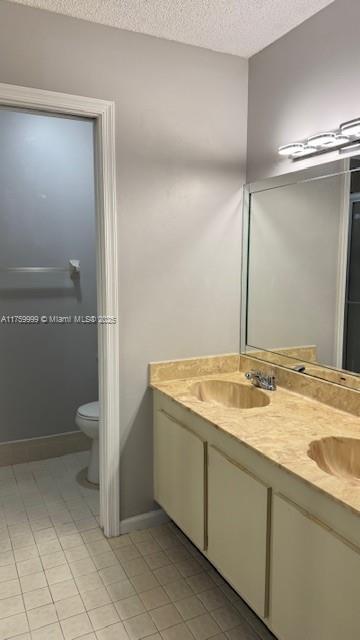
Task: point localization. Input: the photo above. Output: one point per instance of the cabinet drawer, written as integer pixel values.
(238, 528)
(179, 475)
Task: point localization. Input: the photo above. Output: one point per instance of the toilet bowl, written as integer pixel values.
(87, 419)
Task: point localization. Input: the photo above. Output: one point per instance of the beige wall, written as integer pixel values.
(181, 142)
(303, 83)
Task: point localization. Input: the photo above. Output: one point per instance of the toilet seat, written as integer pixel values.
(89, 411)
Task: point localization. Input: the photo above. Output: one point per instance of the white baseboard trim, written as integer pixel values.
(143, 521)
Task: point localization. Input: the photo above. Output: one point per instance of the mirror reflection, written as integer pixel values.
(303, 273)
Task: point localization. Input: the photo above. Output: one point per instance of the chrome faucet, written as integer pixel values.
(260, 379)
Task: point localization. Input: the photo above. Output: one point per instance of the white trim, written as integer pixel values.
(342, 271)
(143, 521)
(107, 276)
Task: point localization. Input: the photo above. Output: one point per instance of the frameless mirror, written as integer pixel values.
(302, 264)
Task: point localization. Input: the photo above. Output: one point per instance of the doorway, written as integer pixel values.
(101, 114)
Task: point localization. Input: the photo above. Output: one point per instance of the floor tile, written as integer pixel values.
(156, 561)
(179, 632)
(11, 606)
(226, 617)
(13, 626)
(213, 598)
(88, 583)
(27, 553)
(165, 616)
(95, 598)
(129, 552)
(200, 582)
(72, 540)
(37, 598)
(76, 626)
(135, 567)
(58, 574)
(245, 632)
(29, 566)
(97, 547)
(203, 627)
(33, 581)
(129, 607)
(62, 590)
(8, 572)
(10, 588)
(154, 598)
(42, 616)
(178, 589)
(51, 632)
(190, 607)
(53, 559)
(6, 557)
(188, 567)
(113, 632)
(139, 626)
(112, 574)
(144, 582)
(103, 616)
(120, 590)
(120, 541)
(45, 548)
(77, 553)
(69, 607)
(148, 547)
(104, 560)
(82, 567)
(167, 574)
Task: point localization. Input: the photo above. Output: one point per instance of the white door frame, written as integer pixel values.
(107, 276)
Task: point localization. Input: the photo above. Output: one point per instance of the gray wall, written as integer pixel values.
(304, 83)
(47, 215)
(181, 144)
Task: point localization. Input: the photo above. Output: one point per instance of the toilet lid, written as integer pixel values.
(89, 410)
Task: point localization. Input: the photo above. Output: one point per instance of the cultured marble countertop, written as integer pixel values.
(280, 431)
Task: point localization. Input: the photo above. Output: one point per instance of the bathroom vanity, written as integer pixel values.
(234, 467)
(266, 483)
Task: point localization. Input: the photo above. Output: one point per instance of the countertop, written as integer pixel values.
(281, 431)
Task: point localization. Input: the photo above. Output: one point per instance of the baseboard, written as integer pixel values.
(143, 521)
(54, 446)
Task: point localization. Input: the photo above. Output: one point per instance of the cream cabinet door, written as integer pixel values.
(238, 522)
(315, 579)
(179, 475)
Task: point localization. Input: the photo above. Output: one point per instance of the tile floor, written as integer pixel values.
(61, 579)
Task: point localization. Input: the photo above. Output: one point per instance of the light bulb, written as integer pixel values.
(290, 149)
(351, 128)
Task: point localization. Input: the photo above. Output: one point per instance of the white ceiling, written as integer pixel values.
(240, 27)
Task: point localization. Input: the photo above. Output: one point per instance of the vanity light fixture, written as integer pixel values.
(343, 137)
(305, 151)
(291, 149)
(322, 139)
(351, 128)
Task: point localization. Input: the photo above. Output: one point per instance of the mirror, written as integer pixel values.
(302, 272)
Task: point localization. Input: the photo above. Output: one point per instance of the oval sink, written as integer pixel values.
(337, 456)
(229, 394)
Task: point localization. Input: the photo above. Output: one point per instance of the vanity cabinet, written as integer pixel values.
(315, 578)
(179, 475)
(238, 527)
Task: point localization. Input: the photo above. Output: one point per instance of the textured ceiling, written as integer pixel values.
(240, 27)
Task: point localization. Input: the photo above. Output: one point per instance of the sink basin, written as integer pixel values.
(337, 456)
(229, 394)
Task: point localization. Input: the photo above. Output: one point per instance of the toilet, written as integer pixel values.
(87, 419)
